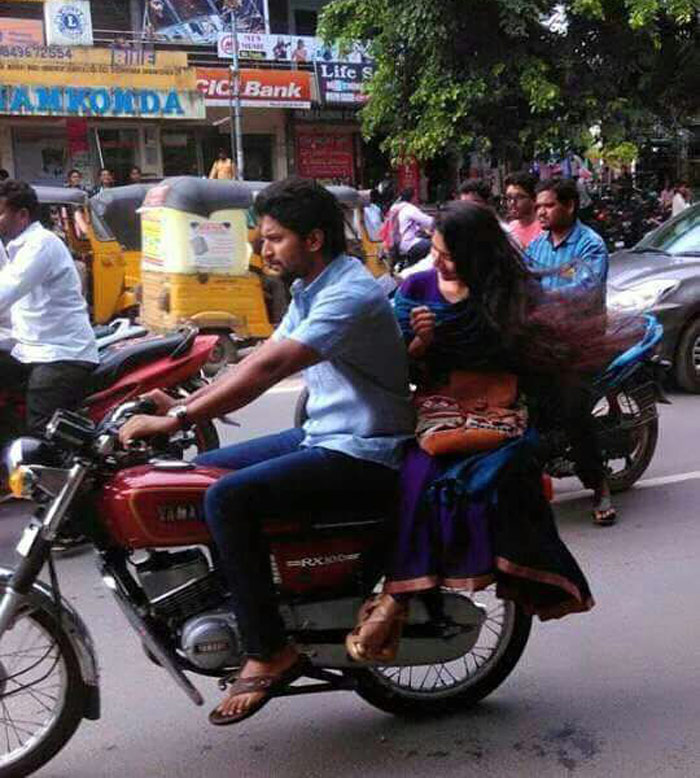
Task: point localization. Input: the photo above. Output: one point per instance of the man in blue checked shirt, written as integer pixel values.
(575, 262)
(576, 251)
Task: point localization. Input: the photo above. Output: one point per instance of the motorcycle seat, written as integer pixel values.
(120, 358)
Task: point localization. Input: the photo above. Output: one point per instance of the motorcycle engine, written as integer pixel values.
(184, 593)
(211, 641)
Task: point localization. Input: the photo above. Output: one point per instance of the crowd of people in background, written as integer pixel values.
(105, 179)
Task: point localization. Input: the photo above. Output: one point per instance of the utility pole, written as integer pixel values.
(235, 91)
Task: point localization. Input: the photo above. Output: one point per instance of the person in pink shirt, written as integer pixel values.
(524, 225)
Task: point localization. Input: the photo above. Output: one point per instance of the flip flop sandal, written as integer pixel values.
(604, 517)
(270, 684)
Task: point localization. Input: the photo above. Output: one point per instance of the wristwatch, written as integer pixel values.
(179, 412)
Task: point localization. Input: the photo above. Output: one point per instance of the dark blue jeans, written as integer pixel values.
(275, 477)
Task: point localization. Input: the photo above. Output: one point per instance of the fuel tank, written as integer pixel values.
(160, 504)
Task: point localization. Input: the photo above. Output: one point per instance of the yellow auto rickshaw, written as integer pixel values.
(195, 262)
(103, 234)
(116, 247)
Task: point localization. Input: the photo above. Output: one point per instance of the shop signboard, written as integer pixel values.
(89, 67)
(297, 49)
(325, 155)
(258, 88)
(199, 22)
(68, 23)
(31, 100)
(21, 32)
(343, 83)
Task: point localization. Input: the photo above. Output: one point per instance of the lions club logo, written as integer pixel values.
(70, 21)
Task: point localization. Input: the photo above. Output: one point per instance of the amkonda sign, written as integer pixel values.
(24, 100)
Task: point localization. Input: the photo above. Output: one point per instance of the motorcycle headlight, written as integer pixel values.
(640, 297)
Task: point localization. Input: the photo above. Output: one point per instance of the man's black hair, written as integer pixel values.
(19, 195)
(105, 170)
(135, 167)
(302, 206)
(4, 175)
(73, 170)
(478, 187)
(526, 181)
(564, 188)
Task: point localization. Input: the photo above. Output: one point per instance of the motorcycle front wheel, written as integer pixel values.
(42, 694)
(428, 690)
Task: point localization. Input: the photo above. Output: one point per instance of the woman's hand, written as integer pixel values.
(423, 324)
(146, 427)
(163, 402)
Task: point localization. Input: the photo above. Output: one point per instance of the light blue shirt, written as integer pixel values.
(359, 400)
(581, 257)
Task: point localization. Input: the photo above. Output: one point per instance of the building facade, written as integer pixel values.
(155, 90)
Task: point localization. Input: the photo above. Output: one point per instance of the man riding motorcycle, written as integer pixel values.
(55, 349)
(341, 331)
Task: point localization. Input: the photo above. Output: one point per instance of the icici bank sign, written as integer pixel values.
(259, 88)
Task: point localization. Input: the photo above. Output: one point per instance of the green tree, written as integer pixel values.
(517, 77)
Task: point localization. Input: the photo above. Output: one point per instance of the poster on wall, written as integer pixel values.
(68, 23)
(326, 156)
(22, 32)
(298, 49)
(201, 21)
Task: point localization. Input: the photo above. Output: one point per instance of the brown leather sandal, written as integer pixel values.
(271, 685)
(380, 617)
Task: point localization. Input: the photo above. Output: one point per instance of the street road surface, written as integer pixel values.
(615, 692)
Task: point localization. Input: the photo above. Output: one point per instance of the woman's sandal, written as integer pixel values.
(381, 616)
(604, 517)
(271, 685)
(604, 514)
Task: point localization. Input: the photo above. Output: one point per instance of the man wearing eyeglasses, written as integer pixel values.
(524, 225)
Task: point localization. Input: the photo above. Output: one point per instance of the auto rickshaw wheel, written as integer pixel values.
(224, 353)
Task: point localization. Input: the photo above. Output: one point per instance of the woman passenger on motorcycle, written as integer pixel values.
(468, 520)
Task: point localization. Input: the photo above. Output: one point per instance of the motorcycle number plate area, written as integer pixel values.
(29, 536)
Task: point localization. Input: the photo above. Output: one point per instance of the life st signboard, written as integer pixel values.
(343, 83)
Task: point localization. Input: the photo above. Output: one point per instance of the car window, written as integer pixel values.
(680, 235)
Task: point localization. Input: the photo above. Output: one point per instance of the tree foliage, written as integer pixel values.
(518, 77)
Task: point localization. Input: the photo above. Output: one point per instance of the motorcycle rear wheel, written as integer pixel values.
(42, 693)
(429, 690)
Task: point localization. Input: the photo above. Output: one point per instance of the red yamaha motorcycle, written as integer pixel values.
(128, 369)
(142, 510)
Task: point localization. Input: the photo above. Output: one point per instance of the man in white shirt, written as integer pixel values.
(412, 227)
(681, 199)
(55, 349)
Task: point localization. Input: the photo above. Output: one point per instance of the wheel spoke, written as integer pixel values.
(33, 686)
(448, 678)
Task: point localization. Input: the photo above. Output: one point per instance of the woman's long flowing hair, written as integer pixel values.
(542, 332)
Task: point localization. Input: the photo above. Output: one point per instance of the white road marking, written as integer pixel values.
(646, 483)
